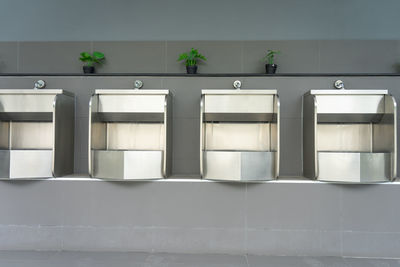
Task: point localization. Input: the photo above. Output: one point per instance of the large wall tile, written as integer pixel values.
(186, 141)
(357, 56)
(372, 245)
(27, 237)
(199, 240)
(293, 243)
(132, 57)
(38, 203)
(297, 206)
(8, 57)
(294, 57)
(51, 57)
(291, 163)
(116, 238)
(375, 213)
(199, 204)
(127, 204)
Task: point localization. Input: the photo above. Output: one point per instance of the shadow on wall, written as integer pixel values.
(397, 67)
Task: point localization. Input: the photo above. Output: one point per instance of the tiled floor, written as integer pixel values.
(117, 259)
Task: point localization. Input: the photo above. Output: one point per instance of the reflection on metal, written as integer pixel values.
(130, 134)
(36, 133)
(349, 135)
(239, 135)
(339, 84)
(237, 84)
(39, 84)
(138, 84)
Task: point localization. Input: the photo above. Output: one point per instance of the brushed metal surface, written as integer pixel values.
(35, 92)
(239, 92)
(258, 166)
(348, 92)
(39, 128)
(239, 165)
(239, 103)
(131, 103)
(131, 92)
(5, 163)
(351, 104)
(344, 137)
(23, 103)
(108, 164)
(239, 117)
(222, 165)
(350, 137)
(31, 164)
(63, 135)
(237, 136)
(127, 165)
(354, 167)
(125, 127)
(31, 135)
(310, 137)
(4, 135)
(135, 136)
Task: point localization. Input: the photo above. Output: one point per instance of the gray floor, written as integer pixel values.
(116, 259)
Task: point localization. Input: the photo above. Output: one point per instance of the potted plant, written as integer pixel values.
(90, 60)
(271, 67)
(191, 59)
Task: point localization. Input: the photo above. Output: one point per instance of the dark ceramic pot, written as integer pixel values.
(88, 69)
(270, 68)
(191, 69)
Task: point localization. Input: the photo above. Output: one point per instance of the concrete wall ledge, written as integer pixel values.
(196, 179)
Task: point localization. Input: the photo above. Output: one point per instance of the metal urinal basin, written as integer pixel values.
(36, 133)
(349, 136)
(239, 135)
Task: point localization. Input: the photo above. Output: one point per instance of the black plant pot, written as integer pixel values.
(88, 69)
(191, 69)
(270, 68)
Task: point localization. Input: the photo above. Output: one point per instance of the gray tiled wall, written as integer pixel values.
(276, 218)
(298, 56)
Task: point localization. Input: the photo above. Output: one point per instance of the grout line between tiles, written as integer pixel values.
(245, 220)
(18, 54)
(247, 260)
(341, 220)
(165, 56)
(319, 55)
(242, 56)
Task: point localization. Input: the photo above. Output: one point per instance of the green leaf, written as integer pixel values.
(191, 57)
(98, 55)
(183, 56)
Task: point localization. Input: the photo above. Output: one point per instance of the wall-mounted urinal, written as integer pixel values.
(130, 134)
(349, 135)
(36, 133)
(239, 135)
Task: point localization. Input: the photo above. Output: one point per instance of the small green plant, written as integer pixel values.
(192, 57)
(270, 56)
(90, 59)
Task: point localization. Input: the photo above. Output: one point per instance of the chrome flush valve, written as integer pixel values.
(138, 84)
(339, 84)
(39, 84)
(237, 84)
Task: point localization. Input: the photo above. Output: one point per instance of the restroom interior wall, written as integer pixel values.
(144, 20)
(240, 56)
